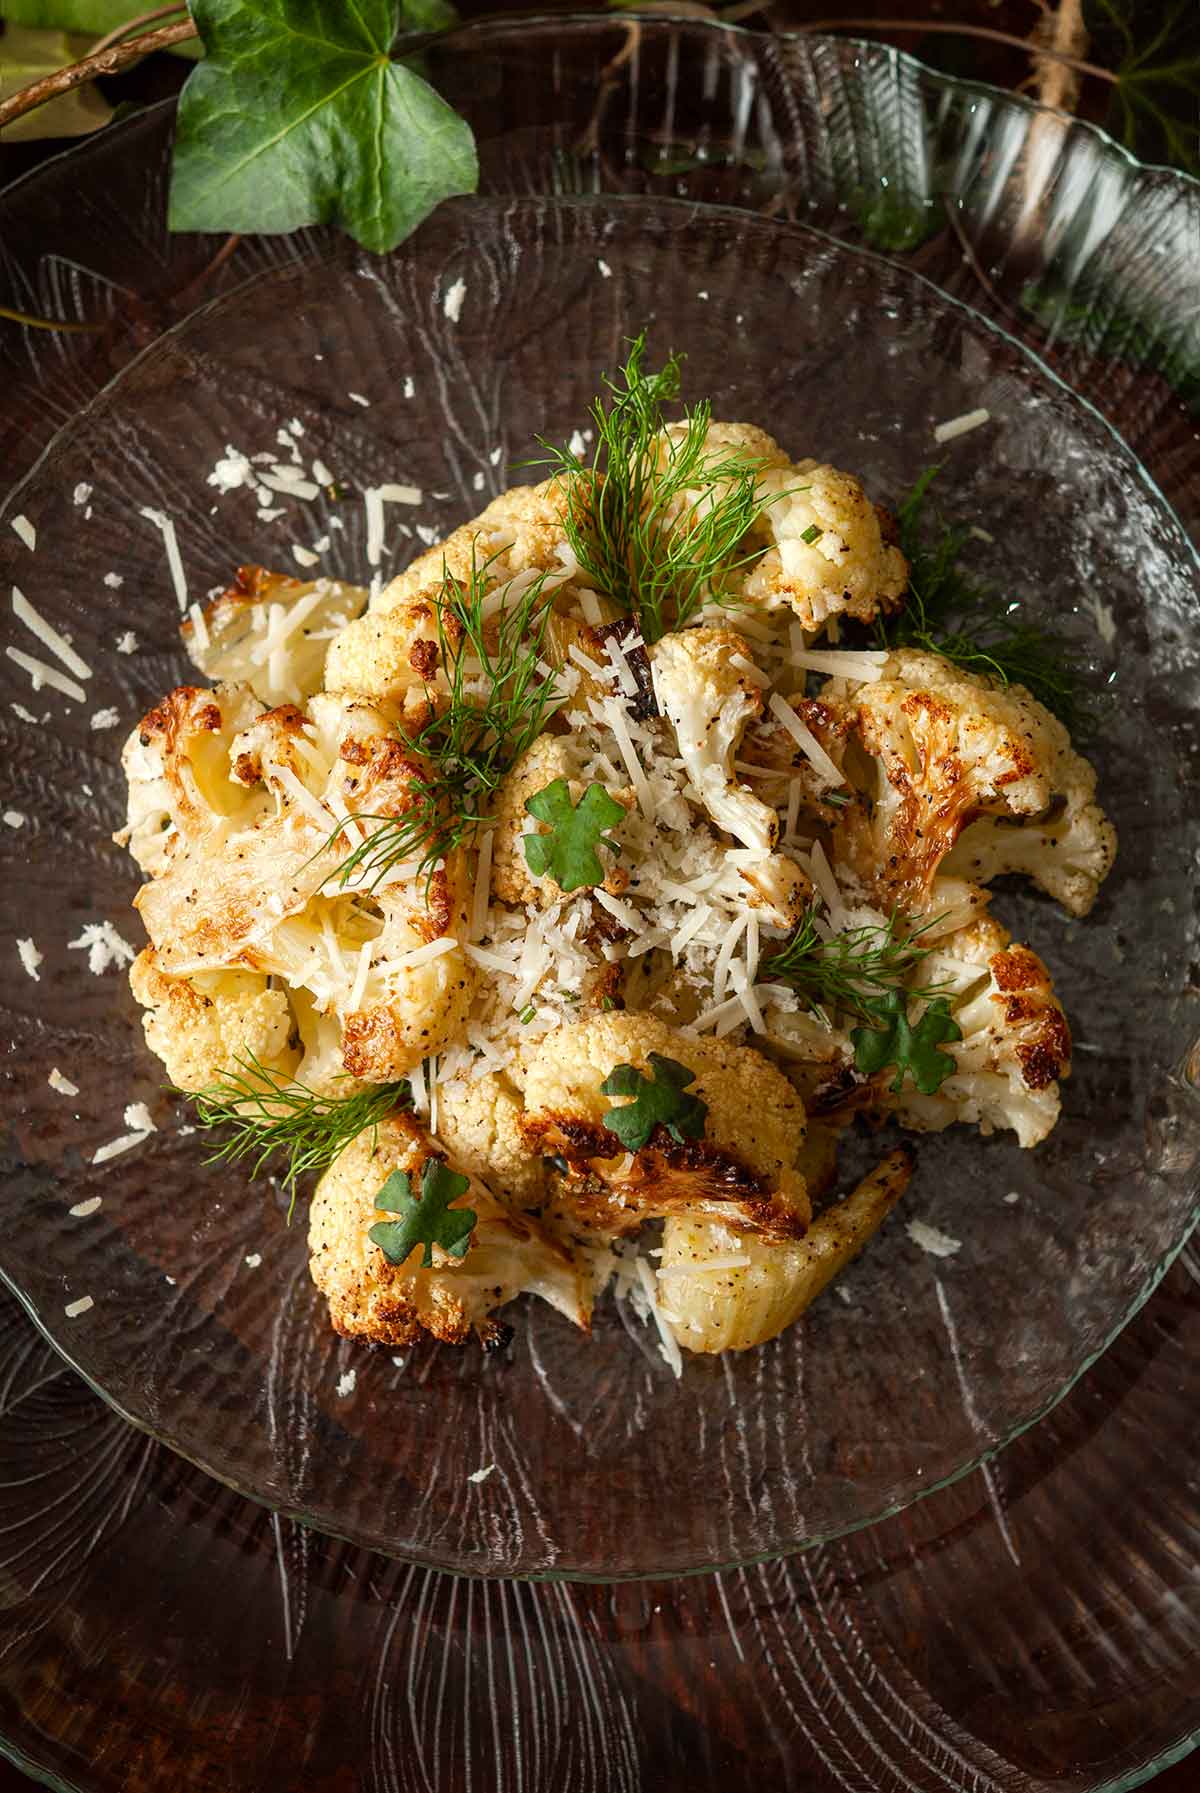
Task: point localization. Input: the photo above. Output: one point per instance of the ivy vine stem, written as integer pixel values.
(100, 62)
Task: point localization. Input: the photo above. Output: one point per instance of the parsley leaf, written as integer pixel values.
(428, 1220)
(298, 115)
(568, 853)
(659, 1101)
(914, 1049)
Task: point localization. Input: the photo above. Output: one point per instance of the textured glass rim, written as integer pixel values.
(975, 1460)
(1168, 1754)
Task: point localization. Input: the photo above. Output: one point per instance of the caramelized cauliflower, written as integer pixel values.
(204, 1026)
(742, 1171)
(726, 1291)
(965, 777)
(270, 632)
(393, 1304)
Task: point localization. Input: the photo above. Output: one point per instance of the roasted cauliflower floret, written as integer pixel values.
(519, 532)
(709, 699)
(725, 1291)
(215, 1022)
(392, 1304)
(952, 761)
(1016, 1043)
(270, 632)
(479, 1123)
(393, 656)
(546, 759)
(176, 763)
(412, 1005)
(827, 550)
(741, 1171)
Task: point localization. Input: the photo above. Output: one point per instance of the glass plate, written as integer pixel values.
(1033, 1629)
(231, 1363)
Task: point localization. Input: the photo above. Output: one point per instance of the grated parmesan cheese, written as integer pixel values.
(804, 738)
(74, 1309)
(605, 270)
(107, 718)
(127, 643)
(930, 1239)
(104, 947)
(41, 676)
(452, 304)
(961, 426)
(13, 818)
(347, 1383)
(124, 1143)
(481, 1475)
(62, 1084)
(166, 528)
(25, 529)
(138, 1118)
(81, 493)
(865, 666)
(48, 635)
(81, 1210)
(401, 494)
(358, 398)
(30, 959)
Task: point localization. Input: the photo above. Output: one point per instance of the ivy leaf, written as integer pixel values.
(913, 1049)
(568, 853)
(659, 1100)
(299, 116)
(426, 1220)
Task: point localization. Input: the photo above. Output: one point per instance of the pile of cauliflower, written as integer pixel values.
(893, 795)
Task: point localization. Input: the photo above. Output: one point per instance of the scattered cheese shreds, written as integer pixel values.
(137, 1117)
(127, 643)
(605, 270)
(81, 493)
(14, 818)
(84, 1305)
(48, 635)
(394, 494)
(930, 1239)
(253, 1259)
(961, 426)
(30, 958)
(28, 534)
(114, 581)
(42, 675)
(359, 398)
(124, 1143)
(103, 946)
(166, 529)
(107, 718)
(481, 1475)
(347, 1383)
(62, 1084)
(804, 738)
(452, 304)
(81, 1210)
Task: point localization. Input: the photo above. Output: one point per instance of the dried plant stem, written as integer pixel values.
(102, 62)
(135, 24)
(988, 32)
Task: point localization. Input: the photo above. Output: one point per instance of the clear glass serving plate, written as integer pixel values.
(933, 1364)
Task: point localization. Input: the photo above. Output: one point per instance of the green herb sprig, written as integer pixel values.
(914, 1049)
(850, 973)
(659, 1100)
(474, 737)
(568, 852)
(645, 543)
(255, 1112)
(949, 612)
(425, 1220)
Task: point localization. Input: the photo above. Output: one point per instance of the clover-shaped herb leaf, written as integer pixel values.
(426, 1220)
(913, 1049)
(568, 853)
(659, 1100)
